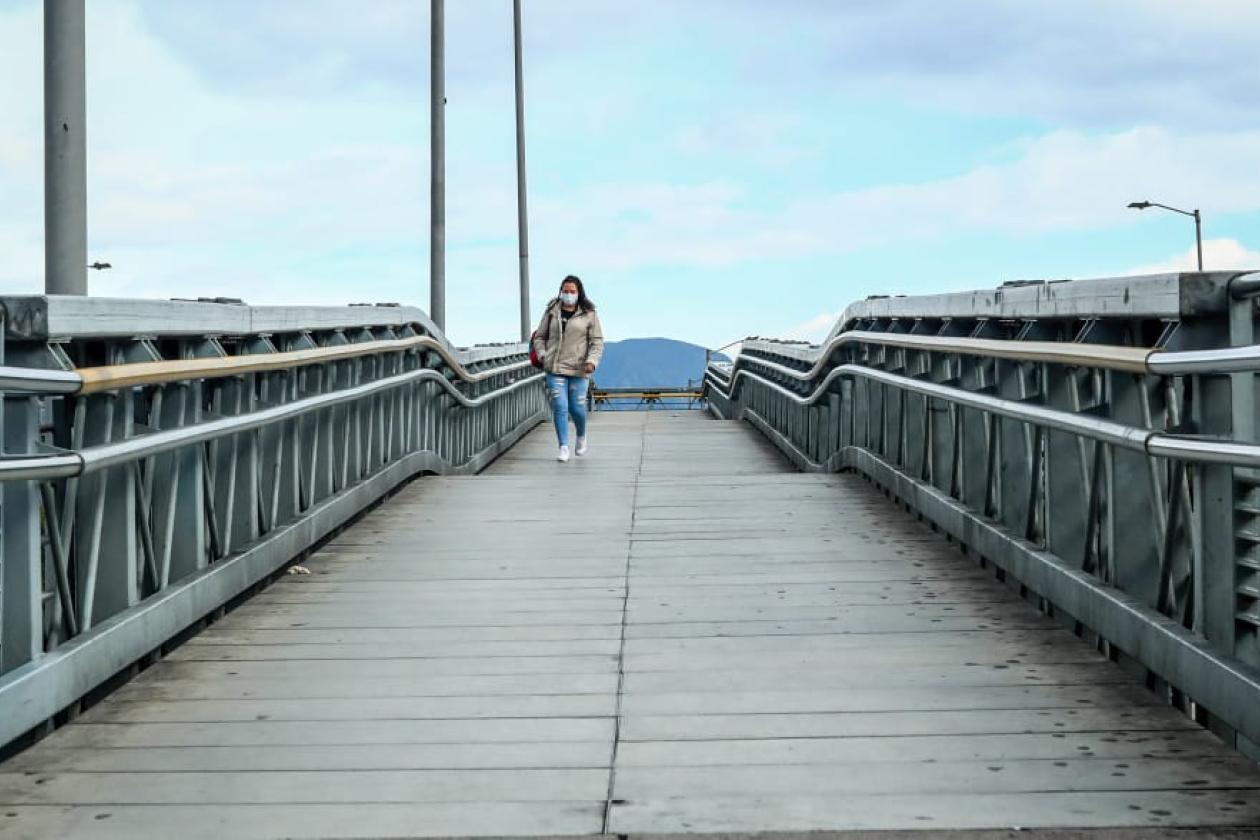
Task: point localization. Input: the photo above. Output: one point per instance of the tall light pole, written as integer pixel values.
(1194, 214)
(437, 167)
(522, 212)
(65, 148)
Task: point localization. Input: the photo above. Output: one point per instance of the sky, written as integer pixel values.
(711, 168)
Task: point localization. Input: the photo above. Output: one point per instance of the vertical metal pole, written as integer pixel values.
(21, 552)
(522, 212)
(1198, 236)
(65, 149)
(437, 168)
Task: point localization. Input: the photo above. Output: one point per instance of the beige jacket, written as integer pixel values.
(566, 348)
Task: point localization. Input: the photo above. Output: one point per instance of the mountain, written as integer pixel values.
(651, 363)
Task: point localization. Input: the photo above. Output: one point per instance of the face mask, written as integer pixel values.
(568, 298)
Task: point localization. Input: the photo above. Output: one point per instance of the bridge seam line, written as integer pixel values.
(625, 612)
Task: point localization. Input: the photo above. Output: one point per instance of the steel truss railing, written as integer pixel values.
(140, 497)
(1114, 483)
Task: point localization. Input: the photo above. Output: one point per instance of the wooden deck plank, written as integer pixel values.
(898, 725)
(987, 747)
(492, 818)
(262, 733)
(500, 755)
(260, 787)
(961, 812)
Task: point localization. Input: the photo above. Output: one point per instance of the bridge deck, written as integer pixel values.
(675, 634)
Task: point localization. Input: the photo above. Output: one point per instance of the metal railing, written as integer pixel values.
(1093, 441)
(646, 399)
(161, 459)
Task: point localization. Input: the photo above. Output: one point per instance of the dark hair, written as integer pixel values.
(583, 301)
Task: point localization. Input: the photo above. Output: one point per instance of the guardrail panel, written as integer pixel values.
(143, 502)
(1134, 465)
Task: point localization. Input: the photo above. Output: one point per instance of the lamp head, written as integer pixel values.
(1139, 205)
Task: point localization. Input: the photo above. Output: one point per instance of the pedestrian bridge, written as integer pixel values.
(978, 561)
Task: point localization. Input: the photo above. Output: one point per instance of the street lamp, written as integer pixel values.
(1194, 214)
(437, 164)
(522, 213)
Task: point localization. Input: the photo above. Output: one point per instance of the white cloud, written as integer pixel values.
(1222, 254)
(1076, 62)
(1072, 62)
(1061, 182)
(770, 138)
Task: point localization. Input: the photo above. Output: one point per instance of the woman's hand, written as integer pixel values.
(590, 368)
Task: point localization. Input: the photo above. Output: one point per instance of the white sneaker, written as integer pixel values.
(581, 448)
(564, 454)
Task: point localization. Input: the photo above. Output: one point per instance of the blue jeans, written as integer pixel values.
(568, 398)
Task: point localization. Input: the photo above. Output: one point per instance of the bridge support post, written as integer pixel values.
(1067, 472)
(830, 431)
(1242, 331)
(21, 569)
(1225, 406)
(1135, 507)
(105, 522)
(972, 440)
(178, 511)
(1214, 491)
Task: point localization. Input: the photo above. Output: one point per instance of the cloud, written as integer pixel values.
(768, 138)
(1077, 62)
(1221, 254)
(294, 46)
(312, 47)
(361, 195)
(1060, 183)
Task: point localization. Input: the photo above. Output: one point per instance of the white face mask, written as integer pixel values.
(568, 298)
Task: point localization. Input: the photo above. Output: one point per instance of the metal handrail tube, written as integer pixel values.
(1160, 444)
(1095, 428)
(116, 377)
(95, 458)
(1103, 356)
(99, 457)
(39, 381)
(1108, 356)
(43, 467)
(1224, 360)
(1204, 450)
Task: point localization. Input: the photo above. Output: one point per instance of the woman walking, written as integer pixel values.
(570, 343)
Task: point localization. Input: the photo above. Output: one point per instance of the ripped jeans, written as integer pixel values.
(568, 398)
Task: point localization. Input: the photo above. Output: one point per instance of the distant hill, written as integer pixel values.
(650, 363)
